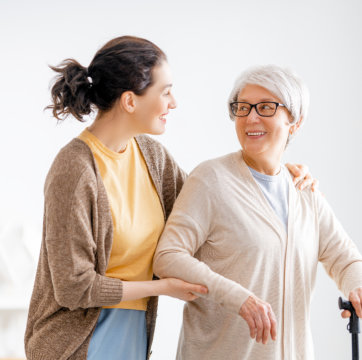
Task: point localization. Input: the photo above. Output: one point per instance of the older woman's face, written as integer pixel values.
(262, 135)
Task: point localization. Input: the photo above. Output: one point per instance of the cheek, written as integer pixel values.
(281, 135)
(281, 127)
(152, 105)
(240, 131)
(239, 128)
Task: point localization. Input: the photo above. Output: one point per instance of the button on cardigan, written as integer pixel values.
(223, 233)
(70, 285)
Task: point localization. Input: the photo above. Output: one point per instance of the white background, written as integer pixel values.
(208, 44)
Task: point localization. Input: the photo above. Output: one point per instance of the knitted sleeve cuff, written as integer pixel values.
(110, 291)
(236, 298)
(352, 278)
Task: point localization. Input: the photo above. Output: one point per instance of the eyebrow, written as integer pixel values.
(166, 86)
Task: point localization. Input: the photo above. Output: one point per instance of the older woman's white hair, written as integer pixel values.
(281, 82)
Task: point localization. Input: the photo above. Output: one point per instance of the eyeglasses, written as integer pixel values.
(265, 109)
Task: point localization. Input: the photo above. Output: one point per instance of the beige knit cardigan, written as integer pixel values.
(70, 285)
(223, 233)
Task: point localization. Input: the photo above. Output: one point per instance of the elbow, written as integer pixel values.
(161, 264)
(74, 292)
(73, 295)
(65, 300)
(166, 263)
(157, 264)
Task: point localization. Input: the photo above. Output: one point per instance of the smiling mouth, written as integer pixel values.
(163, 117)
(256, 133)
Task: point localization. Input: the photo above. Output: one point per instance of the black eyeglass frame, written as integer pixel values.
(256, 109)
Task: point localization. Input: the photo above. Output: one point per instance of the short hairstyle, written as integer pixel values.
(281, 82)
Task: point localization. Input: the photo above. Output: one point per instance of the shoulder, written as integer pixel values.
(307, 198)
(156, 155)
(149, 145)
(152, 149)
(73, 162)
(216, 169)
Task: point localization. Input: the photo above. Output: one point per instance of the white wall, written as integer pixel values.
(208, 43)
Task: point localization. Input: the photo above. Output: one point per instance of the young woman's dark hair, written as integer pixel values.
(123, 64)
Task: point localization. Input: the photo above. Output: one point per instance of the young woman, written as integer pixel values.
(107, 197)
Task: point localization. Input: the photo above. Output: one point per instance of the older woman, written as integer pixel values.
(241, 228)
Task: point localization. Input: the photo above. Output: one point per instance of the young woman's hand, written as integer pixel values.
(302, 176)
(260, 318)
(181, 289)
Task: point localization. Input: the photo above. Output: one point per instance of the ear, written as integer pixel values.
(293, 129)
(128, 101)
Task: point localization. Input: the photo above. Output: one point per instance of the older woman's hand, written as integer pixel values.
(260, 318)
(355, 297)
(302, 176)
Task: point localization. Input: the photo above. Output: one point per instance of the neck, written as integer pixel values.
(263, 164)
(113, 130)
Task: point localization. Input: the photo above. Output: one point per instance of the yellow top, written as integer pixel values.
(137, 214)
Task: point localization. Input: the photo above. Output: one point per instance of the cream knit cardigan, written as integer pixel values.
(223, 233)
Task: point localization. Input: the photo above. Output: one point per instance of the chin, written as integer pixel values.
(157, 130)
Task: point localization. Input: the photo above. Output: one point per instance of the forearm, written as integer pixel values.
(351, 278)
(338, 253)
(133, 290)
(184, 266)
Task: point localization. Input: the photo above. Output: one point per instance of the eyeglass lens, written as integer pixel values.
(263, 109)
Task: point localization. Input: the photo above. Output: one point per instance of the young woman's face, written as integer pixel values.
(153, 106)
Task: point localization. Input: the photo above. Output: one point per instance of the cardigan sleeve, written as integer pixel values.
(71, 247)
(337, 252)
(185, 232)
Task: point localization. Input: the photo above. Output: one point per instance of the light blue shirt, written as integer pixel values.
(276, 190)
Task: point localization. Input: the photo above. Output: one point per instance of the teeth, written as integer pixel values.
(255, 133)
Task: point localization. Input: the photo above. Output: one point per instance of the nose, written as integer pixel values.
(172, 104)
(253, 116)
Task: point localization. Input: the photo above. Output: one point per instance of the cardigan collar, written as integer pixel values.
(262, 203)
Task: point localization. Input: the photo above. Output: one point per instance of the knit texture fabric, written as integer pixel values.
(223, 233)
(70, 285)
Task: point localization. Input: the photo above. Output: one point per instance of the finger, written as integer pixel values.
(252, 326)
(191, 297)
(315, 184)
(304, 170)
(259, 326)
(356, 302)
(345, 314)
(273, 323)
(244, 313)
(297, 179)
(201, 289)
(294, 170)
(305, 183)
(266, 328)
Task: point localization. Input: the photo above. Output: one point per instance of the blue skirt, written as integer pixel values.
(120, 334)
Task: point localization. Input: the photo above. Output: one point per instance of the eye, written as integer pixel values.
(266, 107)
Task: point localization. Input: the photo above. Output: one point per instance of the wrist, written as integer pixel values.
(159, 287)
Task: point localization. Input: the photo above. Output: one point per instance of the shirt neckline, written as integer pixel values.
(103, 148)
(270, 178)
